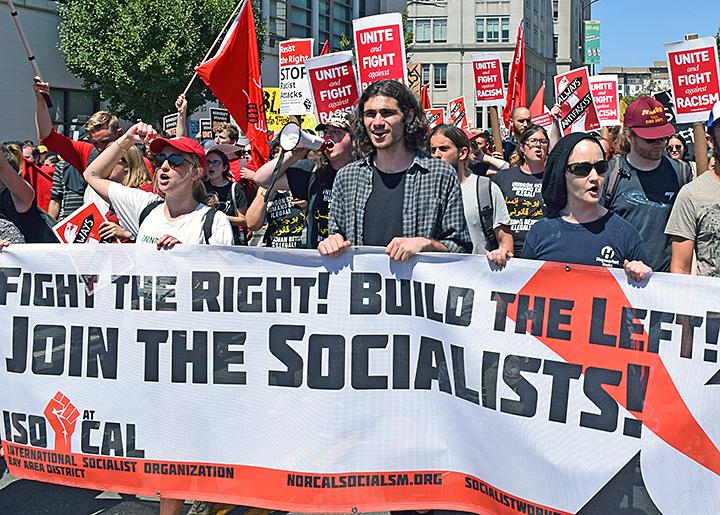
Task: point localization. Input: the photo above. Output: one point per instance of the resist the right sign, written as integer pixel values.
(694, 78)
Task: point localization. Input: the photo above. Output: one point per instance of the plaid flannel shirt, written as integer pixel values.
(432, 202)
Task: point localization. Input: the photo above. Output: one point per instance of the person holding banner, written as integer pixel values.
(642, 186)
(694, 223)
(183, 217)
(313, 183)
(522, 184)
(396, 197)
(489, 232)
(578, 229)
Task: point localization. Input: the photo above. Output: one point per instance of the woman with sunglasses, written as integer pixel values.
(677, 149)
(180, 168)
(577, 228)
(230, 194)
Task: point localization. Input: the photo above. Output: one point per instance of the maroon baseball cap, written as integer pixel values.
(646, 117)
(187, 145)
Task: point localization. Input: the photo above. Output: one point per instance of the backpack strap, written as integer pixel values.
(233, 186)
(208, 220)
(486, 212)
(617, 172)
(147, 209)
(683, 172)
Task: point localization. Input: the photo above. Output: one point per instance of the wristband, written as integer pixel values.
(121, 147)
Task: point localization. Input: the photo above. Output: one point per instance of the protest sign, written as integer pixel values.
(81, 226)
(275, 120)
(578, 113)
(295, 94)
(538, 110)
(489, 89)
(456, 113)
(438, 384)
(218, 117)
(333, 83)
(169, 124)
(604, 90)
(206, 130)
(435, 116)
(380, 47)
(693, 67)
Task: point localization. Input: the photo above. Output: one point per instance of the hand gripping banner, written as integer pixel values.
(284, 380)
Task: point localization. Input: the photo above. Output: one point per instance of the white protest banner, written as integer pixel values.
(572, 92)
(489, 89)
(290, 381)
(380, 47)
(333, 83)
(694, 78)
(169, 124)
(295, 94)
(456, 113)
(604, 90)
(81, 226)
(435, 116)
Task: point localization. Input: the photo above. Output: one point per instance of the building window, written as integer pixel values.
(506, 72)
(440, 76)
(426, 74)
(278, 17)
(428, 30)
(492, 30)
(69, 105)
(555, 9)
(555, 46)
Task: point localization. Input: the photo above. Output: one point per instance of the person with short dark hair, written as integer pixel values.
(577, 228)
(396, 197)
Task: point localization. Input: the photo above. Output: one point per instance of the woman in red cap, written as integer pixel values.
(185, 216)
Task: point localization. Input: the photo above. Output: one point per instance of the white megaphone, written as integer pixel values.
(292, 137)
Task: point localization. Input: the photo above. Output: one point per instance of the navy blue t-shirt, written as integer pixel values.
(607, 241)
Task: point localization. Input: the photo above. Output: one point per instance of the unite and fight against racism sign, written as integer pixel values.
(380, 46)
(604, 90)
(489, 89)
(289, 381)
(333, 83)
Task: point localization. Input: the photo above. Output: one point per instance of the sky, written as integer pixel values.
(634, 32)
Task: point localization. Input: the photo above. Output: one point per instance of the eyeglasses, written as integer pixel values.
(214, 162)
(174, 159)
(535, 142)
(584, 169)
(674, 148)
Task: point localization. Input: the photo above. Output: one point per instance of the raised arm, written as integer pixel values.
(181, 106)
(20, 190)
(97, 173)
(42, 115)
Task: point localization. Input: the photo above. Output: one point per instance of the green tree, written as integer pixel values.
(138, 55)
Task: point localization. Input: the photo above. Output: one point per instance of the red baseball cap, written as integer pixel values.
(187, 145)
(646, 117)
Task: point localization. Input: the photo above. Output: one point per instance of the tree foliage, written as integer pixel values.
(138, 55)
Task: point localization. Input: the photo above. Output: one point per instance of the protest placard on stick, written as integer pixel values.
(489, 89)
(604, 90)
(456, 113)
(333, 83)
(578, 113)
(169, 124)
(380, 47)
(295, 94)
(218, 117)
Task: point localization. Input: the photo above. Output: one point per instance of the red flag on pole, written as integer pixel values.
(325, 48)
(516, 94)
(233, 76)
(425, 97)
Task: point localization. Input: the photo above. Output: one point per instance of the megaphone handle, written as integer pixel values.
(275, 173)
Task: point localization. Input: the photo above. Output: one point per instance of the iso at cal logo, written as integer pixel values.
(60, 417)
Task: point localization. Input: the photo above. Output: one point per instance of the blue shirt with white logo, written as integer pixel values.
(607, 241)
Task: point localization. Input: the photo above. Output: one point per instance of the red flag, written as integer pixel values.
(516, 94)
(425, 97)
(537, 107)
(233, 76)
(325, 48)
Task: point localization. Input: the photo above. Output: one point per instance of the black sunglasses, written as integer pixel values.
(584, 169)
(173, 159)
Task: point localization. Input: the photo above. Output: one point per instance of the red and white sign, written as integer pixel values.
(456, 113)
(489, 89)
(295, 94)
(578, 112)
(380, 46)
(694, 77)
(435, 116)
(333, 83)
(82, 226)
(604, 90)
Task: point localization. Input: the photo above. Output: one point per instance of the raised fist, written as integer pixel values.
(62, 415)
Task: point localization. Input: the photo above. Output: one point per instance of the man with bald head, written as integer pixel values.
(519, 121)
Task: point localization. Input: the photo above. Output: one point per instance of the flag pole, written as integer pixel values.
(212, 47)
(28, 51)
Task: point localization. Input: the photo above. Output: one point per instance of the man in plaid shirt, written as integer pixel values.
(396, 197)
